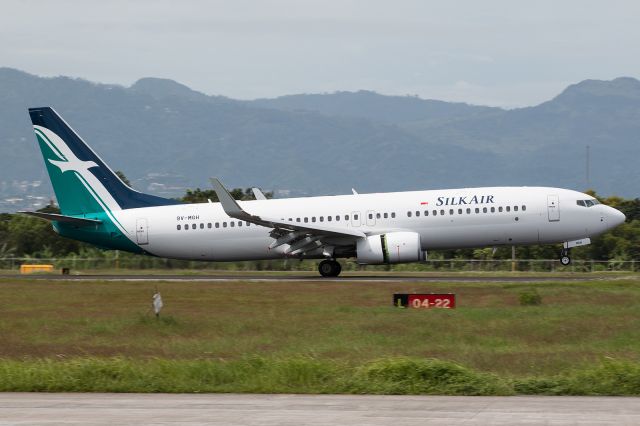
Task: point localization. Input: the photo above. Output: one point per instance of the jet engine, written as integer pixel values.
(393, 247)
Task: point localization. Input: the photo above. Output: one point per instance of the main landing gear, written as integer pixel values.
(329, 268)
(564, 257)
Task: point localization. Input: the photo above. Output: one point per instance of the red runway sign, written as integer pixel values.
(425, 301)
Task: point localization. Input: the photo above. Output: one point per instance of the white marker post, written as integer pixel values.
(157, 303)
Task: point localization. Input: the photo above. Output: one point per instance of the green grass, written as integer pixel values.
(315, 337)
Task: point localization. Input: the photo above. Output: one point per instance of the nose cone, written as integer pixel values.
(616, 217)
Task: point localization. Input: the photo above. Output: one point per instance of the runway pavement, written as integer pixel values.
(309, 278)
(316, 410)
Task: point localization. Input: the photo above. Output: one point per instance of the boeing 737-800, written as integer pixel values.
(385, 228)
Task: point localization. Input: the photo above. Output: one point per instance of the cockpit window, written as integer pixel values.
(587, 203)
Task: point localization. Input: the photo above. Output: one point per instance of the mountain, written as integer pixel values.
(167, 137)
(376, 107)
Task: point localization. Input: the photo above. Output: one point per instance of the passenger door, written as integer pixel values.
(553, 208)
(142, 231)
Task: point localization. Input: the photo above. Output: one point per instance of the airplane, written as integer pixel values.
(97, 207)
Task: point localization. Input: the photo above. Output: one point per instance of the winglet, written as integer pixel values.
(229, 205)
(258, 194)
(354, 191)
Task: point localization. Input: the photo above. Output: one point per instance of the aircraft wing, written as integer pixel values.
(62, 218)
(233, 209)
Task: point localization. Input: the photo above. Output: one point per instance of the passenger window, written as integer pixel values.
(186, 227)
(515, 208)
(484, 210)
(442, 212)
(337, 218)
(209, 225)
(346, 217)
(393, 215)
(329, 218)
(297, 219)
(468, 210)
(247, 223)
(217, 224)
(202, 226)
(477, 210)
(355, 217)
(435, 212)
(306, 220)
(493, 209)
(290, 220)
(450, 212)
(508, 209)
(313, 219)
(232, 224)
(179, 227)
(321, 218)
(408, 214)
(459, 211)
(224, 224)
(426, 212)
(193, 226)
(417, 213)
(239, 223)
(386, 215)
(378, 216)
(370, 215)
(524, 208)
(500, 209)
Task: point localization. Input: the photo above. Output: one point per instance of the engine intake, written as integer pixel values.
(393, 247)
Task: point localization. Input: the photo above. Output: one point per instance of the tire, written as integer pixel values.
(565, 260)
(326, 268)
(329, 268)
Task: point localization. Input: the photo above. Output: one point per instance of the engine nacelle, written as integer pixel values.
(393, 247)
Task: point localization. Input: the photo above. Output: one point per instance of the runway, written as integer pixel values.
(266, 277)
(315, 410)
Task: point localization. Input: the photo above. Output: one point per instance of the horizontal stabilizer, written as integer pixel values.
(62, 218)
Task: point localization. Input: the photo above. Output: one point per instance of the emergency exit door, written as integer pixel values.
(553, 208)
(142, 231)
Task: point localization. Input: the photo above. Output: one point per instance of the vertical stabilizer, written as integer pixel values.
(83, 183)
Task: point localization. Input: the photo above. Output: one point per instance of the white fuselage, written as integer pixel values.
(456, 218)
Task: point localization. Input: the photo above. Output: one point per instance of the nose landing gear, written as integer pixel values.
(329, 268)
(564, 257)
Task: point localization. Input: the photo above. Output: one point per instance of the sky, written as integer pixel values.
(491, 52)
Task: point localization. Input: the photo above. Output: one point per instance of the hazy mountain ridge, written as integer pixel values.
(166, 137)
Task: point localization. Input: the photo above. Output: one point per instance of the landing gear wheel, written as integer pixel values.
(565, 260)
(329, 268)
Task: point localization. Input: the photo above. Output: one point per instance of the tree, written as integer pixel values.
(123, 178)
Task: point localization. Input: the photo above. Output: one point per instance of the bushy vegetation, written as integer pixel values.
(388, 376)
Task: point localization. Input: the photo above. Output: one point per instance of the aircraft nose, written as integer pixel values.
(618, 217)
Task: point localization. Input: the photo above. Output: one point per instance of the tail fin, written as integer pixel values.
(83, 183)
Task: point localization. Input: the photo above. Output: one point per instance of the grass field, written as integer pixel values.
(301, 336)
